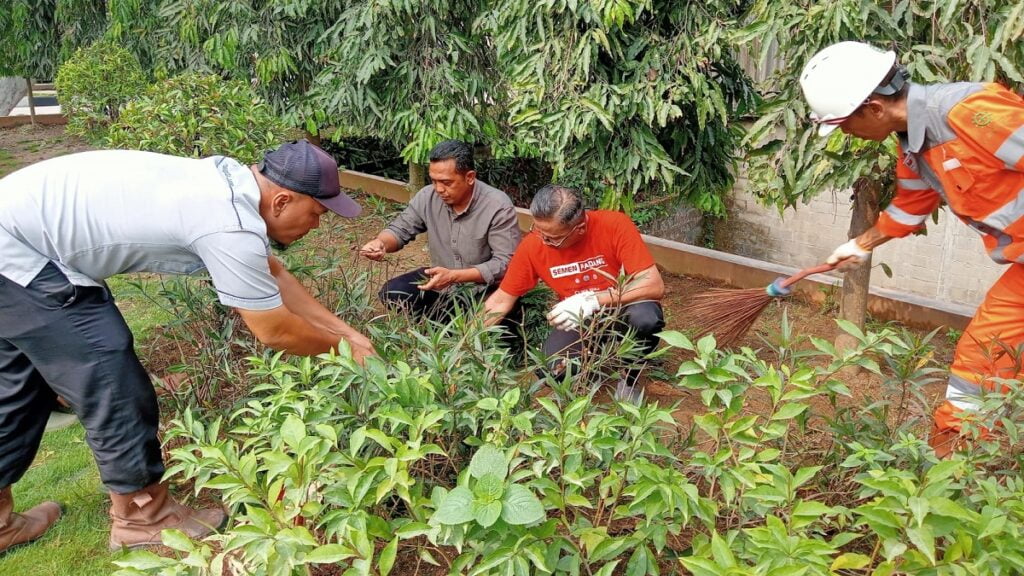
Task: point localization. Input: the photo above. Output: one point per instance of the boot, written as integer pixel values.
(945, 441)
(138, 518)
(18, 529)
(625, 393)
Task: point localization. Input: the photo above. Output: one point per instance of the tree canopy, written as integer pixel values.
(938, 41)
(627, 99)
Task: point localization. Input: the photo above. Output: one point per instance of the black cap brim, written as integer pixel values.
(342, 205)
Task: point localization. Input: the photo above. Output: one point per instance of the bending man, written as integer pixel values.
(960, 144)
(68, 223)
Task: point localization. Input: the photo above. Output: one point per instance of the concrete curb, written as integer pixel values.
(42, 119)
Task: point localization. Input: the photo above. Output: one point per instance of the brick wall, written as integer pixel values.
(948, 264)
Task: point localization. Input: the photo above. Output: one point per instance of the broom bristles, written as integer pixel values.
(728, 314)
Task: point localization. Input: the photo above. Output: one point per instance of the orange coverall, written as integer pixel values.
(964, 146)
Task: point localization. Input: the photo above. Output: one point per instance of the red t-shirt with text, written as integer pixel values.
(610, 244)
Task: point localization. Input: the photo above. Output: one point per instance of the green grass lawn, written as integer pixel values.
(77, 544)
(64, 471)
(7, 163)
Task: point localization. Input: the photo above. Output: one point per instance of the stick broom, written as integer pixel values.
(729, 313)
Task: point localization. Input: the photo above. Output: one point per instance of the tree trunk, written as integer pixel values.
(417, 177)
(854, 303)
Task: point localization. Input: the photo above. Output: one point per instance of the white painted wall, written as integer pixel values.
(948, 264)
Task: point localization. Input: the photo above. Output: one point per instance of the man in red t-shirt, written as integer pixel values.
(580, 254)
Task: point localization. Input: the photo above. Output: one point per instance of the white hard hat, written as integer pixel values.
(839, 78)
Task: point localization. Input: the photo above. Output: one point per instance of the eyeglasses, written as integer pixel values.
(556, 242)
(841, 119)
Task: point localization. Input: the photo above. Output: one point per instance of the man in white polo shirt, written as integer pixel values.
(68, 223)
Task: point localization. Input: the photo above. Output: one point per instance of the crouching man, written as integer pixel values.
(579, 254)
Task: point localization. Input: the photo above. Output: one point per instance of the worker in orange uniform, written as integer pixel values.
(961, 144)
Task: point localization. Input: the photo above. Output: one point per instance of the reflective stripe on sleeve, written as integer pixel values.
(905, 218)
(1007, 214)
(912, 184)
(1012, 150)
(998, 254)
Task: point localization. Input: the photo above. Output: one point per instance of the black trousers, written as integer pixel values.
(402, 292)
(644, 319)
(57, 338)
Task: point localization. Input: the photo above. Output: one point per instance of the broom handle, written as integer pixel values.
(805, 273)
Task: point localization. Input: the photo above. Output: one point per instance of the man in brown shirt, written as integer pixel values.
(472, 232)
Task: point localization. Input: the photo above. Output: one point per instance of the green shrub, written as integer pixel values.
(94, 85)
(199, 115)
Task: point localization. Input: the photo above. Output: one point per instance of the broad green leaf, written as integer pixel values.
(413, 529)
(293, 431)
(456, 508)
(721, 552)
(488, 460)
(329, 554)
(640, 562)
(387, 557)
(789, 411)
(487, 404)
(144, 560)
(676, 339)
(850, 561)
(488, 488)
(487, 513)
(177, 540)
(521, 506)
(924, 541)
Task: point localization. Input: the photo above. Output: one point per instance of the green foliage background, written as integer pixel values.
(199, 115)
(94, 85)
(628, 99)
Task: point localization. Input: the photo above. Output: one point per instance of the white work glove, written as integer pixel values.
(567, 314)
(850, 250)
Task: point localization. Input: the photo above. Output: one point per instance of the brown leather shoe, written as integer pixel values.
(22, 528)
(138, 518)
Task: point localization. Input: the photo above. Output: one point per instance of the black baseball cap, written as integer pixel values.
(305, 168)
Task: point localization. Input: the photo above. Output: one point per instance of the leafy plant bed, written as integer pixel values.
(781, 454)
(787, 427)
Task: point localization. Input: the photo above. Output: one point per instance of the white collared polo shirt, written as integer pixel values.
(100, 213)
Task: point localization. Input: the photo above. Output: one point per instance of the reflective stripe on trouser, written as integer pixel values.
(981, 353)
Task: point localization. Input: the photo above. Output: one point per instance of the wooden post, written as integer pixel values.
(31, 103)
